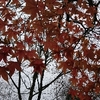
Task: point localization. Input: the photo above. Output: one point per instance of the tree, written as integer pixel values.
(42, 31)
(61, 88)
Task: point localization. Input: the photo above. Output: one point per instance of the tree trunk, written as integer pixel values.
(33, 85)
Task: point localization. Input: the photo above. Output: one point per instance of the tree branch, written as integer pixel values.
(47, 85)
(13, 82)
(33, 85)
(40, 87)
(19, 86)
(8, 3)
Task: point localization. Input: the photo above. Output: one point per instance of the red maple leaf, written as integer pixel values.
(38, 65)
(3, 73)
(4, 52)
(11, 34)
(31, 8)
(12, 66)
(2, 24)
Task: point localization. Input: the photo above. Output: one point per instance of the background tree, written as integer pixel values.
(61, 87)
(42, 31)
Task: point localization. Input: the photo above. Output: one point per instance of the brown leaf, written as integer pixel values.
(31, 8)
(12, 66)
(3, 73)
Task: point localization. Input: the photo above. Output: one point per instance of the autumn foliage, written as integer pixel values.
(67, 29)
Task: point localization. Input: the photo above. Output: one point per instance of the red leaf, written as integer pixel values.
(20, 46)
(31, 54)
(73, 93)
(74, 81)
(4, 52)
(11, 34)
(3, 56)
(51, 44)
(66, 65)
(31, 8)
(12, 66)
(15, 2)
(3, 73)
(89, 54)
(20, 54)
(38, 65)
(29, 40)
(97, 89)
(2, 24)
